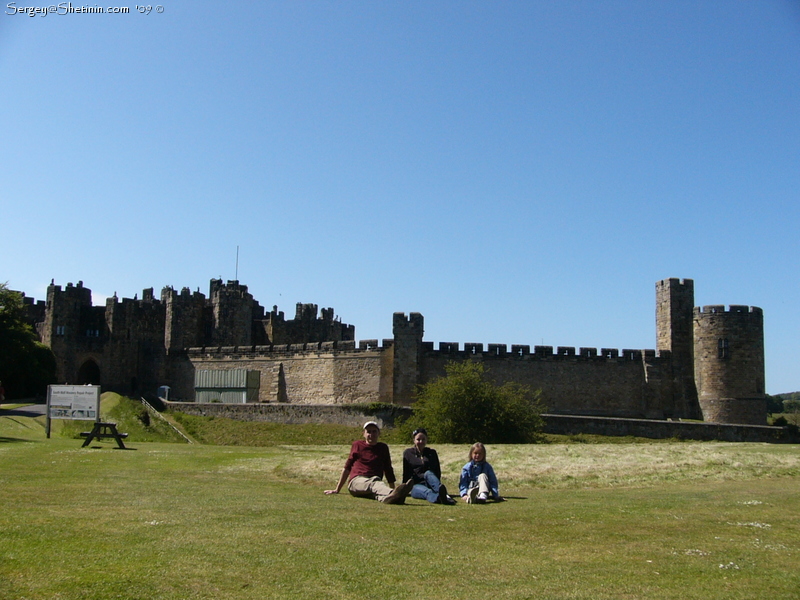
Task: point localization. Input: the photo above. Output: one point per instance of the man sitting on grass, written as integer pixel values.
(369, 459)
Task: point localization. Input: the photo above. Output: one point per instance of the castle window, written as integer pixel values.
(722, 348)
(60, 329)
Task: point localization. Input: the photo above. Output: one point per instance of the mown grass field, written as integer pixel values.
(583, 521)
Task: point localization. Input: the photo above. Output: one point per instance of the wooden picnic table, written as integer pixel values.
(102, 431)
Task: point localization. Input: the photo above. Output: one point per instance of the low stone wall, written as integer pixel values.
(574, 425)
(352, 415)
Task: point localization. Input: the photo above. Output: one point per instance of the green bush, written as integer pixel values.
(465, 407)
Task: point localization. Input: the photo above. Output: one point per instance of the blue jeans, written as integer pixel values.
(429, 490)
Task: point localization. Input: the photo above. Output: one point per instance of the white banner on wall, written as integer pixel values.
(79, 402)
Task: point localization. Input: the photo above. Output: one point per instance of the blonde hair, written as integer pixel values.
(477, 446)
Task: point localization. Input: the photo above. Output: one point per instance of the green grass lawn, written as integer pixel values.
(175, 520)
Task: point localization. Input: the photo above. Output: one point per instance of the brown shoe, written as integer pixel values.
(398, 495)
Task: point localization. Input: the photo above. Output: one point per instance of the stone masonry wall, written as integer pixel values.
(634, 384)
(577, 425)
(323, 373)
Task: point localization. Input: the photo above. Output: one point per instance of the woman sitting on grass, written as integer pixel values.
(478, 480)
(421, 464)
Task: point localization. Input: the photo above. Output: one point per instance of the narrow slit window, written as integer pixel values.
(723, 351)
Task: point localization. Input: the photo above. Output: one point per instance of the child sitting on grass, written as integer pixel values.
(478, 480)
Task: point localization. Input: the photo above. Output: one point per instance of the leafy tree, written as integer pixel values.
(465, 407)
(791, 406)
(26, 366)
(774, 404)
(792, 409)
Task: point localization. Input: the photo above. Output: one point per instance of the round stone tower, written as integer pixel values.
(729, 364)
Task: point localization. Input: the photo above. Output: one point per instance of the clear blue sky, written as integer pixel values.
(518, 172)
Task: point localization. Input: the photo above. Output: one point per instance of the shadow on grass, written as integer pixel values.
(22, 411)
(7, 440)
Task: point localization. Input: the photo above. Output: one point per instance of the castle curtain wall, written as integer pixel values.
(633, 385)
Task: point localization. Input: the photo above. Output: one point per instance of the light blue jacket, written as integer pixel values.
(469, 477)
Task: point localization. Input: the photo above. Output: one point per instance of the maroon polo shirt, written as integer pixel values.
(370, 461)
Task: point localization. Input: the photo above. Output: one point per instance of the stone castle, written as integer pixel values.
(708, 363)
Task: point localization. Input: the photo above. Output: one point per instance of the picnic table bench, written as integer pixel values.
(103, 431)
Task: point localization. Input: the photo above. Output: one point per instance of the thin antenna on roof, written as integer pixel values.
(237, 264)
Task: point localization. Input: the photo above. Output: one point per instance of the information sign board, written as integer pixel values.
(79, 402)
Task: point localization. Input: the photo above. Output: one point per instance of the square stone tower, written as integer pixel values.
(675, 334)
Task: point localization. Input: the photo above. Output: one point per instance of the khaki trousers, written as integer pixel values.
(482, 487)
(369, 487)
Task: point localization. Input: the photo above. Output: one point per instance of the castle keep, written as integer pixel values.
(708, 362)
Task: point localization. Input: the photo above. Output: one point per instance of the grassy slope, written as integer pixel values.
(587, 521)
(131, 418)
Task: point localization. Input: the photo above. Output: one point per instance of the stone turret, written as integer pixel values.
(729, 364)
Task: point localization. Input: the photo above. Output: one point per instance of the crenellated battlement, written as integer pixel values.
(186, 296)
(520, 351)
(414, 323)
(233, 287)
(70, 292)
(373, 344)
(252, 351)
(732, 309)
(675, 282)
